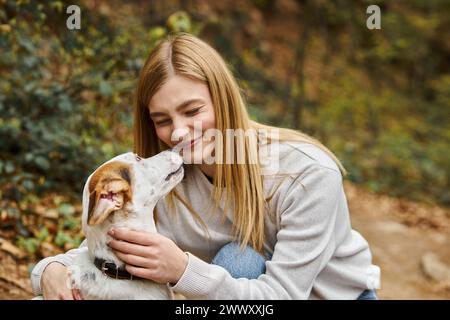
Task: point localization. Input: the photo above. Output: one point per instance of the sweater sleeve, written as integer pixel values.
(305, 244)
(63, 258)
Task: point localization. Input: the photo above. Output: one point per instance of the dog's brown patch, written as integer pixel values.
(113, 177)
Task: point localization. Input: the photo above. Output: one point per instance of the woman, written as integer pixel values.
(267, 232)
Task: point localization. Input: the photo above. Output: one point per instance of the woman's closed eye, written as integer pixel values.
(162, 122)
(193, 112)
(189, 113)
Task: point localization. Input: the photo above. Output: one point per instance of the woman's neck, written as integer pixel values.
(208, 169)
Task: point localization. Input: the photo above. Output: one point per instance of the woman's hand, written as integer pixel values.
(149, 255)
(54, 283)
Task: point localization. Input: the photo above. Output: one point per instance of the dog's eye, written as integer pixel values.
(138, 158)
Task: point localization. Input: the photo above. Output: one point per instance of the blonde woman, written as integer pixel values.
(274, 225)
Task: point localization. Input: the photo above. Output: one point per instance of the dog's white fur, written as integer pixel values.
(148, 185)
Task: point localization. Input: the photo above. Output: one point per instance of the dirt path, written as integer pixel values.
(400, 234)
(398, 249)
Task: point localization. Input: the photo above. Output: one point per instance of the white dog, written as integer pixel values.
(122, 193)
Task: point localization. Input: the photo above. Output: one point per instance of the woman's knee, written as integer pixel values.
(239, 263)
(368, 295)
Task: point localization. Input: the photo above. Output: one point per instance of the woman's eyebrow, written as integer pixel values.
(179, 107)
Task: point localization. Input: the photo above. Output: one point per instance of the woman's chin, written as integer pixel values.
(198, 155)
(192, 158)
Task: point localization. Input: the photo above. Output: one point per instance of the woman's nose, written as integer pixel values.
(179, 133)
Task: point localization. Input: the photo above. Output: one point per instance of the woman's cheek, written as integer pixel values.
(207, 123)
(164, 135)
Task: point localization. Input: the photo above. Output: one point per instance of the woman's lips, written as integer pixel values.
(189, 144)
(194, 141)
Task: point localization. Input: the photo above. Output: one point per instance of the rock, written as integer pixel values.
(392, 227)
(434, 268)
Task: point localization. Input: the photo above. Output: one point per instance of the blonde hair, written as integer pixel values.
(186, 55)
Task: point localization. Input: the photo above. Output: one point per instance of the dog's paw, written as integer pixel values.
(74, 277)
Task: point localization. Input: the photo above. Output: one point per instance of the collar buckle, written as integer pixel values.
(104, 268)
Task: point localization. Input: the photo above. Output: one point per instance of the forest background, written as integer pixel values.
(379, 99)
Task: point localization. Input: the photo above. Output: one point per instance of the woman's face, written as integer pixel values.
(182, 110)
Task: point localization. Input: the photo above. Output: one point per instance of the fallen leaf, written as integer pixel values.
(7, 246)
(46, 212)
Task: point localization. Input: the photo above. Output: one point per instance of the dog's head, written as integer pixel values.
(130, 180)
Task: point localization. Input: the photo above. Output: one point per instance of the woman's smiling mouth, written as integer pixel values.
(193, 142)
(187, 144)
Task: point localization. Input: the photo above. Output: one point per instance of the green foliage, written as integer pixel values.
(66, 209)
(180, 21)
(62, 95)
(63, 238)
(30, 245)
(382, 101)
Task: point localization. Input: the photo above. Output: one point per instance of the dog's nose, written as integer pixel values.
(176, 148)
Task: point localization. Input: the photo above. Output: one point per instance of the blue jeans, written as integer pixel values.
(368, 295)
(240, 264)
(250, 264)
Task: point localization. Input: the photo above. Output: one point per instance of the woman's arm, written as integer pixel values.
(65, 259)
(306, 243)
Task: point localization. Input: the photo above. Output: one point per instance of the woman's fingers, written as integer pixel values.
(138, 237)
(133, 260)
(149, 255)
(77, 294)
(140, 272)
(129, 248)
(65, 296)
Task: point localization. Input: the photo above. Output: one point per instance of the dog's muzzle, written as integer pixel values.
(173, 173)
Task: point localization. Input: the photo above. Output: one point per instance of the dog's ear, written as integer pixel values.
(110, 190)
(92, 203)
